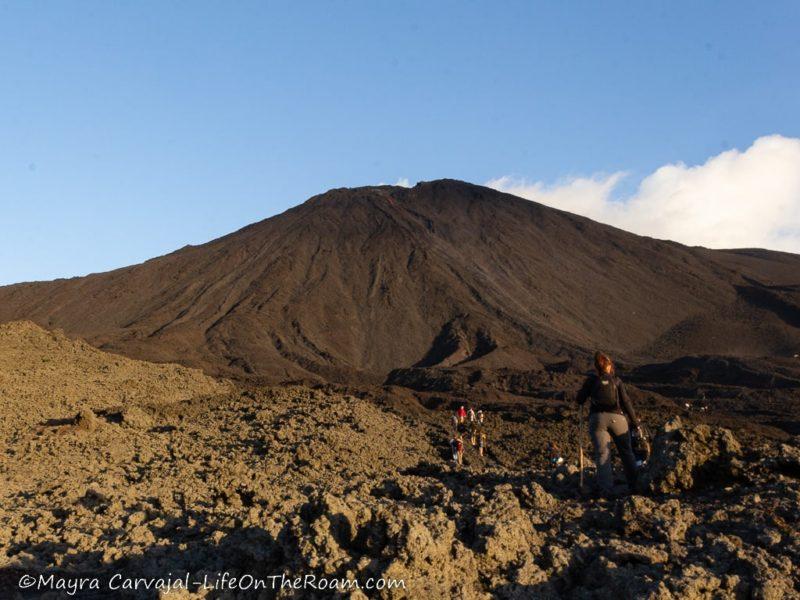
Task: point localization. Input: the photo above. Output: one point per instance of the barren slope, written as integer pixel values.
(45, 376)
(356, 282)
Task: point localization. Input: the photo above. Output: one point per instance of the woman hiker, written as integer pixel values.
(608, 409)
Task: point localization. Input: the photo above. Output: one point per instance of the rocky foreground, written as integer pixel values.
(298, 481)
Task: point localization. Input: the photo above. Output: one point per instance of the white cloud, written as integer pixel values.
(734, 200)
(587, 196)
(402, 182)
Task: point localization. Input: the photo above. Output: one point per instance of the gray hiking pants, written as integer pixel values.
(604, 427)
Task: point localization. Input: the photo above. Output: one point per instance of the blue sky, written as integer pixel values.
(130, 129)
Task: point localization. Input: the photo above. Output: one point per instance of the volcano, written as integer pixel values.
(356, 282)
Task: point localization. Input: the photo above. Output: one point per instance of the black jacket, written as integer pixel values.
(608, 395)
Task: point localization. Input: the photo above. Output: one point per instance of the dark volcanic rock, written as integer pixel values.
(667, 521)
(503, 530)
(687, 458)
(788, 461)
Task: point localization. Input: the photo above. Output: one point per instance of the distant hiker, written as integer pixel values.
(462, 413)
(703, 402)
(457, 448)
(607, 410)
(481, 424)
(459, 426)
(476, 427)
(454, 448)
(471, 413)
(554, 455)
(481, 442)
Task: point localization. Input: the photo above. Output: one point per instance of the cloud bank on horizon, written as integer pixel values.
(733, 200)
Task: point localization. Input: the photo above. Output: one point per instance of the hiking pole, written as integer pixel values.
(580, 446)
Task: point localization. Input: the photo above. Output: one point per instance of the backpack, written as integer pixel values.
(605, 394)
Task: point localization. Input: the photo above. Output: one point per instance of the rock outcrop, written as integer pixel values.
(688, 458)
